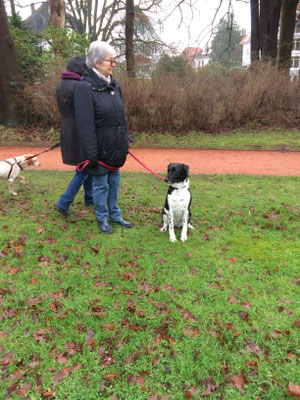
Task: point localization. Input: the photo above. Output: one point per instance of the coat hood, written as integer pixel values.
(77, 65)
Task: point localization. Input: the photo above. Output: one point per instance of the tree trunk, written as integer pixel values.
(13, 8)
(255, 36)
(10, 71)
(129, 52)
(57, 13)
(270, 14)
(287, 28)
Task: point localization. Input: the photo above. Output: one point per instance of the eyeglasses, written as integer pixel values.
(111, 61)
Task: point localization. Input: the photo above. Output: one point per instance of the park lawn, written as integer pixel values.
(248, 138)
(132, 316)
(277, 139)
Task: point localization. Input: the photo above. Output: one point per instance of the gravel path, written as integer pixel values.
(199, 161)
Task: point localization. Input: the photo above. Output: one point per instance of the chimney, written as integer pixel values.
(32, 8)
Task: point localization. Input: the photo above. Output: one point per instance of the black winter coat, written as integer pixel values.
(65, 100)
(101, 122)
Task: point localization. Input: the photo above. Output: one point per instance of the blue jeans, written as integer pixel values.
(106, 189)
(80, 178)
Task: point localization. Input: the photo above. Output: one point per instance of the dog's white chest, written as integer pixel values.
(179, 199)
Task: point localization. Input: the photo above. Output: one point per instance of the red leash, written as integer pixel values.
(83, 164)
(148, 169)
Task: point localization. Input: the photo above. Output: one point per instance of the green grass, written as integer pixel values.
(240, 139)
(132, 316)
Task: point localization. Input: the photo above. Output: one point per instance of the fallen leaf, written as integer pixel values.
(294, 390)
(245, 305)
(25, 388)
(232, 300)
(63, 373)
(244, 316)
(191, 332)
(111, 377)
(253, 347)
(239, 381)
(41, 335)
(189, 394)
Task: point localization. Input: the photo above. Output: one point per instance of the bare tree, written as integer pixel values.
(57, 13)
(97, 20)
(10, 71)
(12, 7)
(255, 32)
(269, 22)
(265, 19)
(129, 38)
(103, 20)
(287, 28)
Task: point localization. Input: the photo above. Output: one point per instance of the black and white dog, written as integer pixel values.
(176, 212)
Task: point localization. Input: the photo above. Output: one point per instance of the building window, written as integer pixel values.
(297, 27)
(296, 44)
(38, 23)
(295, 61)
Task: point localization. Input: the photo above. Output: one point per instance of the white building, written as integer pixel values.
(246, 42)
(202, 59)
(295, 60)
(196, 57)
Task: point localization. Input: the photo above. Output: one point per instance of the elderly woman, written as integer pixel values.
(102, 130)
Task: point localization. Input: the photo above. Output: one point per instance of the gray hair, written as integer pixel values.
(97, 52)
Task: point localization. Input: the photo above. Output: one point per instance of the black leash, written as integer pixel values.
(45, 151)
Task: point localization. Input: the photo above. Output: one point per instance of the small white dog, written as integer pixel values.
(10, 169)
(176, 212)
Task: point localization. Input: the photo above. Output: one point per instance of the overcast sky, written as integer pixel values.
(194, 29)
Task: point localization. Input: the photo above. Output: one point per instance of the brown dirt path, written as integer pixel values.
(199, 161)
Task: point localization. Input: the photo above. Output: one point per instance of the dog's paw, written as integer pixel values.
(163, 229)
(190, 227)
(173, 239)
(14, 193)
(183, 238)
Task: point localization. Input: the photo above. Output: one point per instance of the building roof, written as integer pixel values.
(39, 19)
(191, 52)
(142, 60)
(246, 39)
(171, 52)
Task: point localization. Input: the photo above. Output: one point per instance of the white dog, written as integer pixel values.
(10, 169)
(176, 212)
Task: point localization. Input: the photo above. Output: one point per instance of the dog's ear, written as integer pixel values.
(186, 168)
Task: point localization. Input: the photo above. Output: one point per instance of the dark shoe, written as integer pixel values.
(65, 213)
(123, 223)
(105, 228)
